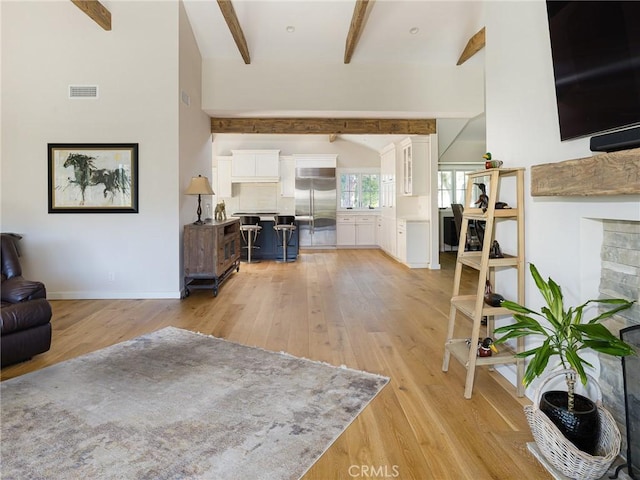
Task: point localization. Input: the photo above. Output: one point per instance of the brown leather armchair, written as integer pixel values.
(25, 313)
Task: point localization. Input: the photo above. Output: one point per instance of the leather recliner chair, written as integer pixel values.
(25, 313)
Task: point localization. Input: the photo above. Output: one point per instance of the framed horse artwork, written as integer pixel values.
(93, 177)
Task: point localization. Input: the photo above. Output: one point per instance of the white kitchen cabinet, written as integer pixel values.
(255, 166)
(413, 243)
(365, 230)
(345, 230)
(356, 230)
(401, 241)
(416, 166)
(287, 177)
(389, 235)
(388, 179)
(224, 189)
(387, 230)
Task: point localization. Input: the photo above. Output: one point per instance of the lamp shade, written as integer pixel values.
(199, 186)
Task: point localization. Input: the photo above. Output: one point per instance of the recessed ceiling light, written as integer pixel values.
(291, 29)
(414, 30)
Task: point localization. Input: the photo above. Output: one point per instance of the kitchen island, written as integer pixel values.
(267, 246)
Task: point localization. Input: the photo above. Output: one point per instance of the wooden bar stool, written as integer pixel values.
(284, 227)
(250, 229)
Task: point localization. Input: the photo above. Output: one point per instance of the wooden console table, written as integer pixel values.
(211, 254)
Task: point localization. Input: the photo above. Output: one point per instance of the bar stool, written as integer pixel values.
(284, 227)
(250, 229)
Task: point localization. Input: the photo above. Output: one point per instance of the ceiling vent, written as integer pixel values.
(83, 91)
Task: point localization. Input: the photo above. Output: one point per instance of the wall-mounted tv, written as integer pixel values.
(595, 47)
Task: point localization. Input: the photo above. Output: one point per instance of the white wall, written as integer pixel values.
(47, 46)
(522, 130)
(437, 92)
(195, 126)
(464, 152)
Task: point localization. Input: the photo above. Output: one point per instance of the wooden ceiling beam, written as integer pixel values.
(324, 126)
(229, 14)
(96, 11)
(474, 45)
(355, 29)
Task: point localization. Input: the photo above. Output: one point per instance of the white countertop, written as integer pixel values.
(358, 212)
(413, 218)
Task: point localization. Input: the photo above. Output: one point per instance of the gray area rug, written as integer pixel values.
(175, 404)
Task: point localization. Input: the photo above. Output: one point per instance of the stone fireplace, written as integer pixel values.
(620, 277)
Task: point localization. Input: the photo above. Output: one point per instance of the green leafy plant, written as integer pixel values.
(565, 333)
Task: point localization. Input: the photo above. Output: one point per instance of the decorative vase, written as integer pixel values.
(581, 427)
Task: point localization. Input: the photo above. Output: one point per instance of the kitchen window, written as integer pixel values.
(359, 189)
(452, 182)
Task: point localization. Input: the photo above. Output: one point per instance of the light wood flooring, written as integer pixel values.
(346, 307)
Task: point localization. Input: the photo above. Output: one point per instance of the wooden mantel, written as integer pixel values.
(616, 173)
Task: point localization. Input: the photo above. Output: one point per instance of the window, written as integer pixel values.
(359, 189)
(452, 182)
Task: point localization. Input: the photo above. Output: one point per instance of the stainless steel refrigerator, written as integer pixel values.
(316, 207)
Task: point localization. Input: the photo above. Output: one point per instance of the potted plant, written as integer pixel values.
(566, 334)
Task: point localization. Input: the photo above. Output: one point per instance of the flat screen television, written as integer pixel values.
(595, 47)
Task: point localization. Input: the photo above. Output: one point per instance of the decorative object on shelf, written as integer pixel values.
(93, 177)
(565, 334)
(486, 347)
(496, 251)
(502, 206)
(490, 298)
(489, 163)
(221, 212)
(483, 199)
(199, 186)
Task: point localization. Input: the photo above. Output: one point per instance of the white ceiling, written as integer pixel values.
(321, 28)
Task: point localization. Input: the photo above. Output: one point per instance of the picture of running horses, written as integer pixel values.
(93, 178)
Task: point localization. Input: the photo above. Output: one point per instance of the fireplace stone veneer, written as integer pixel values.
(620, 277)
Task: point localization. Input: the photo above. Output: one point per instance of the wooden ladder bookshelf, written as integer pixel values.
(473, 306)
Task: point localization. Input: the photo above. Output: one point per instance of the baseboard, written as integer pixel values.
(101, 295)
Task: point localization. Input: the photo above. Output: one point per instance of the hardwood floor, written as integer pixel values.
(346, 307)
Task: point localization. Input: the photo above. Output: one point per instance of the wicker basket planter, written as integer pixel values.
(563, 455)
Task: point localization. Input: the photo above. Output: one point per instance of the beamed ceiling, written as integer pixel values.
(346, 31)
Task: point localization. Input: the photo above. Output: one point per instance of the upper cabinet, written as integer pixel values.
(416, 165)
(255, 166)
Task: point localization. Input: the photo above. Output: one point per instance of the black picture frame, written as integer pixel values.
(93, 177)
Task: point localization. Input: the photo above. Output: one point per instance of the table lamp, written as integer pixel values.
(199, 186)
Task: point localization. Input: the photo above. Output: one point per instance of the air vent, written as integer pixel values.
(83, 91)
(185, 98)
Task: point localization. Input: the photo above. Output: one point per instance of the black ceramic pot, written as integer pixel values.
(581, 427)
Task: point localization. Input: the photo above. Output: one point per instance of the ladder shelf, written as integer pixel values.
(473, 306)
